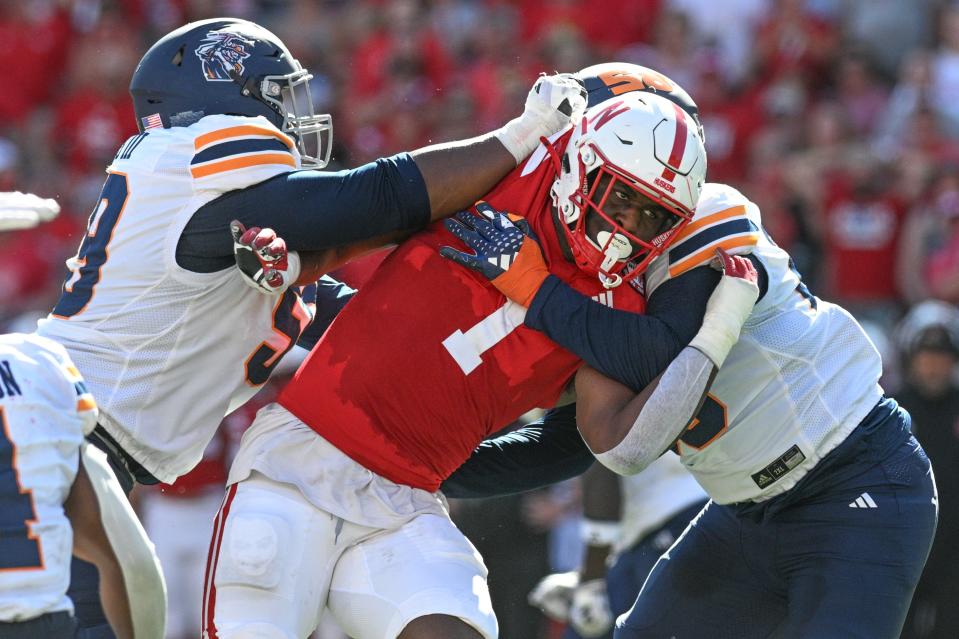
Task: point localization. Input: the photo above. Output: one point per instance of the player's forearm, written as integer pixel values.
(629, 347)
(653, 423)
(660, 416)
(311, 211)
(91, 544)
(457, 174)
(534, 456)
(600, 527)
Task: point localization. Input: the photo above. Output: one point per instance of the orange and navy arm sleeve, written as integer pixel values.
(311, 210)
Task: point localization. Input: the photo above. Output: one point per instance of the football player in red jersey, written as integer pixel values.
(333, 501)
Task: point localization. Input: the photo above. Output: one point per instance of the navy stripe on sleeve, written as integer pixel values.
(710, 235)
(236, 147)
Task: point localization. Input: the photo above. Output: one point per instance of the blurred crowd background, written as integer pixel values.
(840, 118)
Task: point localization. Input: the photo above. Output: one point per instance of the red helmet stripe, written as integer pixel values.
(679, 145)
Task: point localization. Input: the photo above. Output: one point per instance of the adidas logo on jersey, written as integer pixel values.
(605, 298)
(864, 501)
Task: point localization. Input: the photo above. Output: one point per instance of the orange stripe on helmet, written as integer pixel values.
(679, 145)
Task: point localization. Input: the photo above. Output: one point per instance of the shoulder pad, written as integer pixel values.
(232, 152)
(724, 218)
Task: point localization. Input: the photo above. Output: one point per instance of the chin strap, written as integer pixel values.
(610, 281)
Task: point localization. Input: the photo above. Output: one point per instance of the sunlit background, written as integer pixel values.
(840, 118)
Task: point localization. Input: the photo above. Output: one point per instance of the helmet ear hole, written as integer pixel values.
(565, 163)
(178, 57)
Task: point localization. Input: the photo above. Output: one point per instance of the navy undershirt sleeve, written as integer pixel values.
(536, 455)
(629, 347)
(311, 210)
(331, 296)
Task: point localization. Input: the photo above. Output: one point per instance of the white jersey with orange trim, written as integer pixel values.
(167, 351)
(45, 411)
(799, 380)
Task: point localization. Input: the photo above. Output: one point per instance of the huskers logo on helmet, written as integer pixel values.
(222, 55)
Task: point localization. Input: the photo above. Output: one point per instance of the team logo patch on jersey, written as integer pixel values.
(222, 55)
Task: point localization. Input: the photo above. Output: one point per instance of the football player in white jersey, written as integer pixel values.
(627, 524)
(823, 504)
(57, 494)
(152, 311)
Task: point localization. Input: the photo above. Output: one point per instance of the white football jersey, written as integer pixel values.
(168, 352)
(45, 411)
(653, 497)
(799, 380)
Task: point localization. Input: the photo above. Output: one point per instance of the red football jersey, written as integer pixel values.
(428, 358)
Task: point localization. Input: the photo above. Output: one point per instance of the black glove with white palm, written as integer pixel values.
(263, 259)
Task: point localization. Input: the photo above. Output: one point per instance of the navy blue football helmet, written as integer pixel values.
(607, 80)
(229, 66)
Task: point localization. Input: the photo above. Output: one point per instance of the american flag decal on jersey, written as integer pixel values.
(152, 122)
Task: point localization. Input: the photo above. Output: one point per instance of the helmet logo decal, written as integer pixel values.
(663, 184)
(222, 54)
(608, 113)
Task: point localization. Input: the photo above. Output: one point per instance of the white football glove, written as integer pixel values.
(590, 614)
(728, 307)
(263, 259)
(553, 595)
(552, 103)
(25, 210)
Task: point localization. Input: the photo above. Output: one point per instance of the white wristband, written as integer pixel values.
(726, 311)
(520, 136)
(599, 533)
(293, 267)
(552, 103)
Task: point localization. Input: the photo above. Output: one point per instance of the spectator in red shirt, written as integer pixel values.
(862, 224)
(35, 41)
